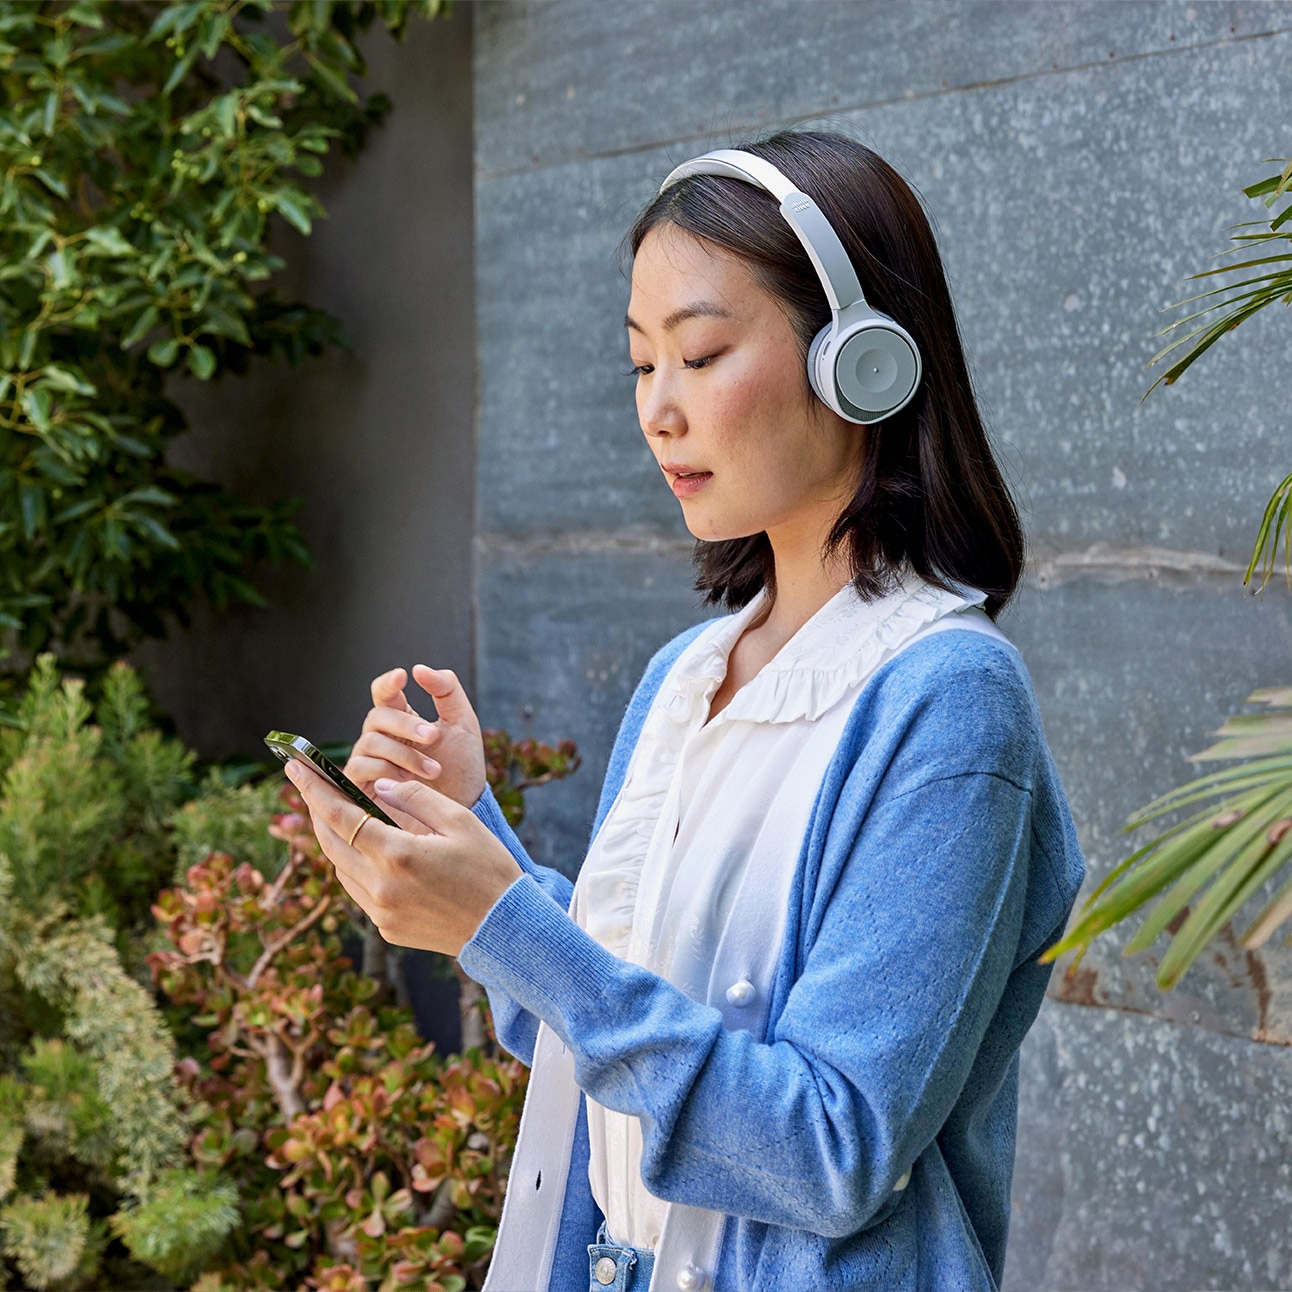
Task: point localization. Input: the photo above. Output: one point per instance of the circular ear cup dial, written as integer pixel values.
(876, 370)
(869, 375)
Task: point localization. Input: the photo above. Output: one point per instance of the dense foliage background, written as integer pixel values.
(208, 1078)
(145, 150)
(203, 1081)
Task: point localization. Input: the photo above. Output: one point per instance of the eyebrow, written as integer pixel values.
(697, 309)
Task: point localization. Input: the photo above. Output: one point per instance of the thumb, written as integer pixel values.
(433, 809)
(388, 690)
(442, 685)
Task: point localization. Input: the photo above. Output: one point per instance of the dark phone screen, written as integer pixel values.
(287, 746)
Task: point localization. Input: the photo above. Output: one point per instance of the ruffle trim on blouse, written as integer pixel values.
(840, 646)
(606, 890)
(806, 687)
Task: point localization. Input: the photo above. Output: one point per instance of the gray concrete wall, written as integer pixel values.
(379, 442)
(1079, 159)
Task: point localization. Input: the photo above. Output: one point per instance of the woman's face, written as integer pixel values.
(722, 390)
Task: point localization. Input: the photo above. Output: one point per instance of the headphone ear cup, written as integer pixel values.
(865, 372)
(875, 370)
(822, 382)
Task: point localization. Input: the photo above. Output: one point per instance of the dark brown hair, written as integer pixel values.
(930, 492)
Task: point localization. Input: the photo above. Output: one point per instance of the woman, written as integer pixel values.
(775, 1025)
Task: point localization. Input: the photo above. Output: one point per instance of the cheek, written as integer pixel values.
(745, 411)
(760, 424)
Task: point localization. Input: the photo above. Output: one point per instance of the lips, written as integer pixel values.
(685, 484)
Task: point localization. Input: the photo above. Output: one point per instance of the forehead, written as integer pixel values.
(673, 268)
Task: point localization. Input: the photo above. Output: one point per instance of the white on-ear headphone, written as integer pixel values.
(862, 364)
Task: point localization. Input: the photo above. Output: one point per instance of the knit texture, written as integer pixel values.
(939, 863)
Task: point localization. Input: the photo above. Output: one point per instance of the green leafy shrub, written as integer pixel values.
(360, 1153)
(50, 1239)
(275, 1121)
(181, 1225)
(514, 766)
(92, 1120)
(145, 148)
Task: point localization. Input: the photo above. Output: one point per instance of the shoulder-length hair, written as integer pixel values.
(931, 494)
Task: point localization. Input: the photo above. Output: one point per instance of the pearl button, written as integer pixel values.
(690, 1278)
(605, 1270)
(740, 994)
(902, 1181)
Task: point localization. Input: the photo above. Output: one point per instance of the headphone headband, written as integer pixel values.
(814, 231)
(863, 364)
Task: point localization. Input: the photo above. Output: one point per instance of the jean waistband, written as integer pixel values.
(617, 1267)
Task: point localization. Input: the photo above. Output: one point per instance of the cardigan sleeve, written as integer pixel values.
(907, 965)
(517, 1027)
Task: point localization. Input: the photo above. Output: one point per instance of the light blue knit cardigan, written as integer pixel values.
(939, 862)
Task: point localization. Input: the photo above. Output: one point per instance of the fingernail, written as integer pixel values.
(430, 766)
(385, 785)
(290, 769)
(423, 731)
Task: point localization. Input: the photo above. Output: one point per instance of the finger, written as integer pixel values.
(327, 805)
(359, 846)
(354, 872)
(373, 744)
(364, 771)
(442, 685)
(357, 894)
(388, 689)
(330, 810)
(404, 724)
(434, 810)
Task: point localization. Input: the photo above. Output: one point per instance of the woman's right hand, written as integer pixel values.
(399, 743)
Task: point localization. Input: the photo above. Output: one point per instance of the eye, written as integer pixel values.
(694, 364)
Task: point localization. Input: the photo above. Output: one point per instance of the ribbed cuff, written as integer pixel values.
(488, 810)
(529, 948)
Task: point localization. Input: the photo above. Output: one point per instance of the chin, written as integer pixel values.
(710, 533)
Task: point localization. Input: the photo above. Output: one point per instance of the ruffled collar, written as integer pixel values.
(844, 641)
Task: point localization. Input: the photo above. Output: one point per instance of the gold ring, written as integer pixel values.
(354, 834)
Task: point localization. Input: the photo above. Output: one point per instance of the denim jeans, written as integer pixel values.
(614, 1268)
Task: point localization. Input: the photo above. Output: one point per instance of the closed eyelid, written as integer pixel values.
(701, 361)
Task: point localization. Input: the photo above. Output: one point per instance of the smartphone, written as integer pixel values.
(286, 747)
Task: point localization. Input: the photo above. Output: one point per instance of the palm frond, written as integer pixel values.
(1276, 520)
(1236, 302)
(1205, 868)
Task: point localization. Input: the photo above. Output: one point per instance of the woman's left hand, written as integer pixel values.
(421, 890)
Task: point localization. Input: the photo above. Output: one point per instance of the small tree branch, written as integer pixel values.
(275, 890)
(286, 1093)
(280, 942)
(470, 992)
(441, 1209)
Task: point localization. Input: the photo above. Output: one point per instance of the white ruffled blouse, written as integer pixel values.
(708, 806)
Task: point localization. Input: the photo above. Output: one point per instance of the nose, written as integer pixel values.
(658, 409)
